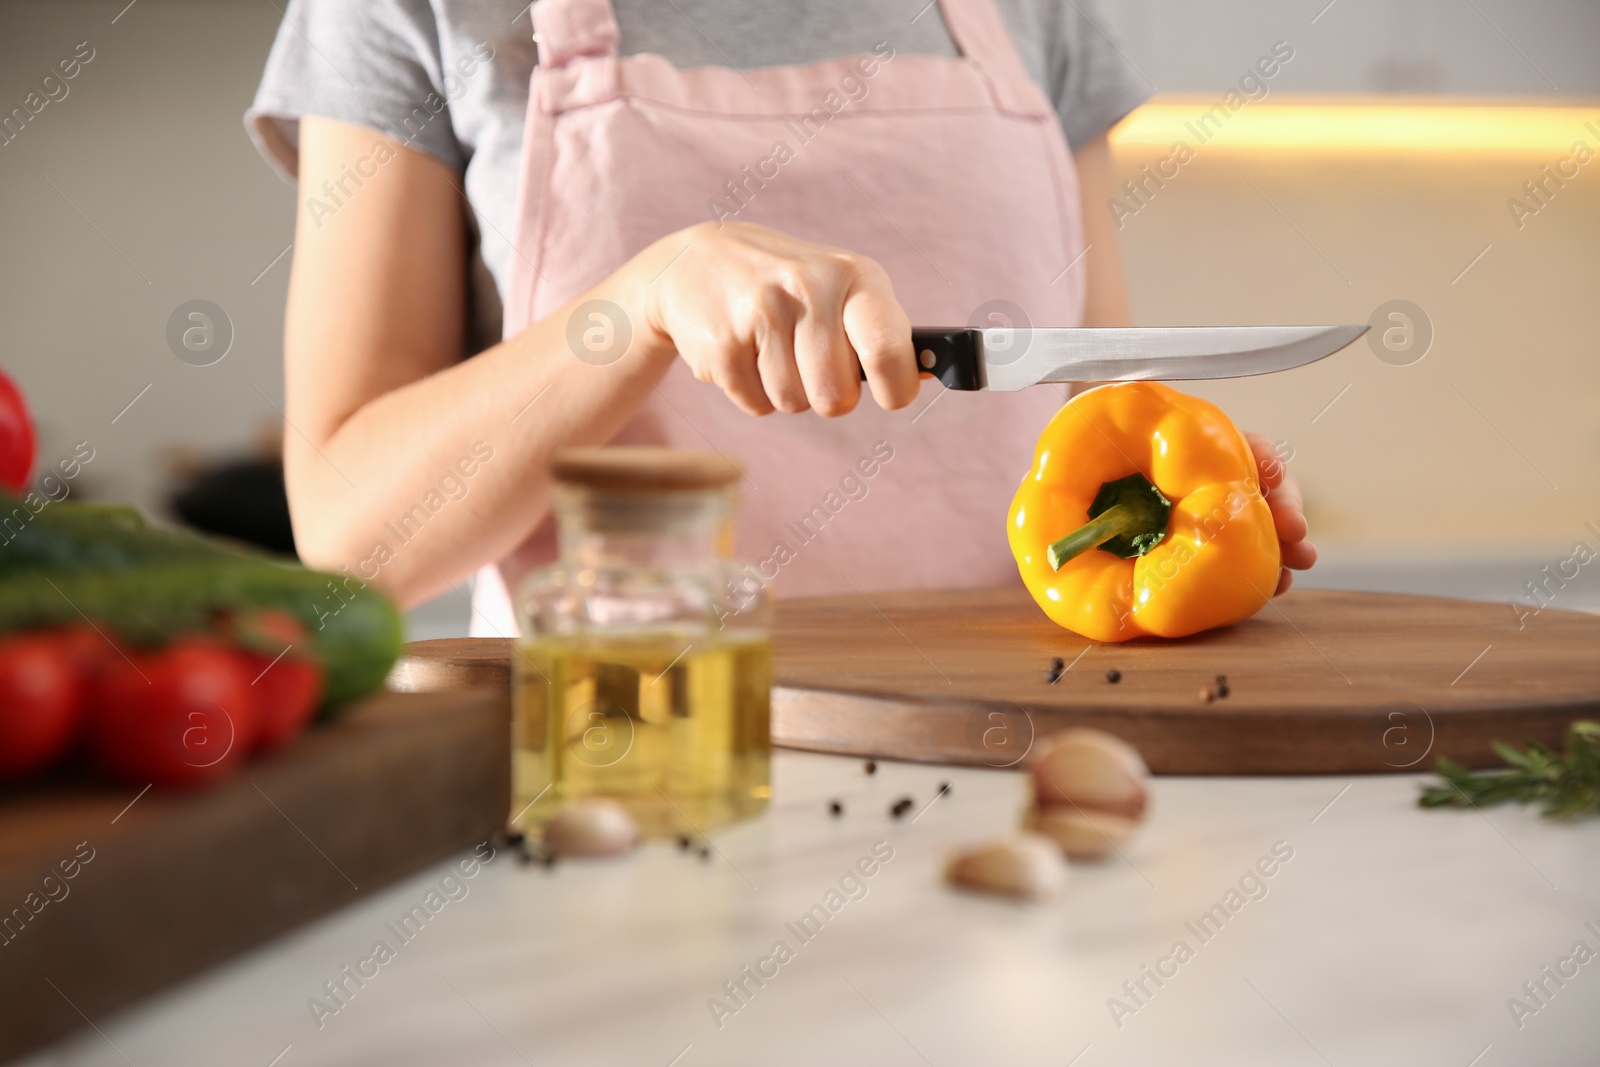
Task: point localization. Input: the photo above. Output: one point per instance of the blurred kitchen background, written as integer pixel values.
(1372, 176)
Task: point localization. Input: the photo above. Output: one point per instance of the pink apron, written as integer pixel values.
(951, 173)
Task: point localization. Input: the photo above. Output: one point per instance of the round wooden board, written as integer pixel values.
(1319, 682)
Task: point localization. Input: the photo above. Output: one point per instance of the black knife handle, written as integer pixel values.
(955, 357)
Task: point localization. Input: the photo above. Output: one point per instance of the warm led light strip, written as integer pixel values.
(1278, 125)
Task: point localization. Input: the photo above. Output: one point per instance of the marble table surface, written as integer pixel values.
(1388, 935)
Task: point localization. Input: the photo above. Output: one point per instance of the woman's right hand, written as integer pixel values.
(775, 322)
(385, 416)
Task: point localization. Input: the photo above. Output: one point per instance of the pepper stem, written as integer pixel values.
(1094, 533)
(1127, 518)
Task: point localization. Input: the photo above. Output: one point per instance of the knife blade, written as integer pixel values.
(1004, 359)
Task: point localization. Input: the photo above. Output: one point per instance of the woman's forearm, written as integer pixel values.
(405, 463)
(421, 484)
(412, 467)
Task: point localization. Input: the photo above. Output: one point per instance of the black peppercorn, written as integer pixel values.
(835, 808)
(871, 767)
(1113, 676)
(944, 789)
(901, 806)
(683, 842)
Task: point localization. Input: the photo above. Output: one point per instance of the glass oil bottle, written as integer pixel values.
(644, 669)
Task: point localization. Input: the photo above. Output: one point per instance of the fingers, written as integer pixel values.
(1281, 491)
(822, 352)
(1300, 556)
(783, 324)
(880, 332)
(1269, 465)
(730, 364)
(775, 360)
(1288, 511)
(862, 331)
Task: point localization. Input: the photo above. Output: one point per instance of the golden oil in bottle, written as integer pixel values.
(644, 672)
(677, 730)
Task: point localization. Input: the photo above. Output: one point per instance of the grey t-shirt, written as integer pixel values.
(450, 77)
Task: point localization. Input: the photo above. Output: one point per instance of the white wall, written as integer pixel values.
(175, 205)
(1481, 47)
(1490, 443)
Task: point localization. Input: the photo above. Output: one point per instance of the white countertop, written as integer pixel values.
(1392, 936)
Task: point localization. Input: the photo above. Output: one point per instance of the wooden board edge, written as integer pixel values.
(1003, 734)
(174, 888)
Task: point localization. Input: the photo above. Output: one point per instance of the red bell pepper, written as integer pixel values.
(17, 441)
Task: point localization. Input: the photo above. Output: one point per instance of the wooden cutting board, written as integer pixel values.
(1319, 682)
(107, 893)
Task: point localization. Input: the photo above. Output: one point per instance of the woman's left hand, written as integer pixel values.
(1288, 509)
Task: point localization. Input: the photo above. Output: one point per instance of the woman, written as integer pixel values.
(680, 220)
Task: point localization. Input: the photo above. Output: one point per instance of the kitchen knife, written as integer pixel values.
(1005, 359)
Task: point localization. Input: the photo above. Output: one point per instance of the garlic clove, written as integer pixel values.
(593, 826)
(1093, 771)
(1082, 834)
(1024, 866)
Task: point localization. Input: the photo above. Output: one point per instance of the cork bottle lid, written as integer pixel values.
(633, 468)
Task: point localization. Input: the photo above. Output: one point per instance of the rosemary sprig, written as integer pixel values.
(1565, 784)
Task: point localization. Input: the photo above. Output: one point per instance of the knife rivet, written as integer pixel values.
(927, 358)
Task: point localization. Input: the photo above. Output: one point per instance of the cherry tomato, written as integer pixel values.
(85, 648)
(274, 626)
(40, 705)
(286, 693)
(287, 686)
(181, 716)
(17, 441)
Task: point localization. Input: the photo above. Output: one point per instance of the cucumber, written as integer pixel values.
(73, 536)
(144, 584)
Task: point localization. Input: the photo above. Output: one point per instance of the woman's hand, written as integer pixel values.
(776, 323)
(1288, 514)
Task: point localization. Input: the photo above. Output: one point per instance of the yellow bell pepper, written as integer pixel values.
(1143, 515)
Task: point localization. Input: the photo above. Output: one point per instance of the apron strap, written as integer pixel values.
(574, 29)
(981, 36)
